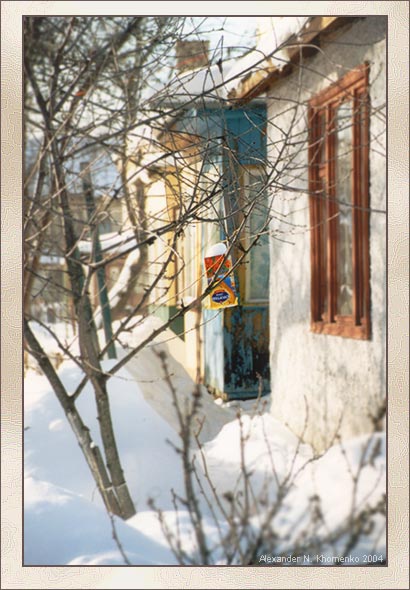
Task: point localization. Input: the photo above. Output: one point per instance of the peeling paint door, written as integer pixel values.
(246, 351)
(236, 340)
(246, 328)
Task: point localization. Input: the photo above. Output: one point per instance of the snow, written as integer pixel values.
(205, 81)
(54, 260)
(111, 243)
(44, 442)
(146, 369)
(276, 32)
(330, 479)
(218, 81)
(268, 443)
(61, 527)
(281, 29)
(65, 522)
(216, 250)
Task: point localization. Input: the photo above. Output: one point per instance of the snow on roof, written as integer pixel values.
(216, 81)
(52, 260)
(112, 243)
(206, 82)
(276, 32)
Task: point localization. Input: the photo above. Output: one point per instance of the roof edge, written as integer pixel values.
(259, 81)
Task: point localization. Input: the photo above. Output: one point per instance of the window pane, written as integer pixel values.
(323, 237)
(190, 261)
(105, 227)
(257, 274)
(343, 167)
(363, 200)
(212, 231)
(321, 137)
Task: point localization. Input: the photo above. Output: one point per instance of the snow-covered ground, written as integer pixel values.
(65, 521)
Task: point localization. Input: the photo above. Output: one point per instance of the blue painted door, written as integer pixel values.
(246, 328)
(236, 340)
(246, 351)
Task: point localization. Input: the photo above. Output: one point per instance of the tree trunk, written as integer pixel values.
(92, 367)
(120, 487)
(89, 346)
(82, 433)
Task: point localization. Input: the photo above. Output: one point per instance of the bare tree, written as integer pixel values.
(64, 66)
(87, 82)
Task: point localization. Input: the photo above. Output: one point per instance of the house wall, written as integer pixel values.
(319, 380)
(163, 192)
(156, 209)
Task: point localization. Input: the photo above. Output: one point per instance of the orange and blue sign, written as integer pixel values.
(219, 269)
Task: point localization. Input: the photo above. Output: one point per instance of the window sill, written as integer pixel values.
(344, 327)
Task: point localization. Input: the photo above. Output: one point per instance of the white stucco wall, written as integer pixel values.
(339, 378)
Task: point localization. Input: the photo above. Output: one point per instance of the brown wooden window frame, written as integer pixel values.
(325, 207)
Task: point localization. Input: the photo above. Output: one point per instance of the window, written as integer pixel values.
(105, 227)
(213, 229)
(191, 264)
(339, 207)
(257, 269)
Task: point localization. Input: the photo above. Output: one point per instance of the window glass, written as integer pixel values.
(343, 165)
(321, 119)
(323, 236)
(212, 229)
(190, 261)
(363, 188)
(257, 273)
(105, 227)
